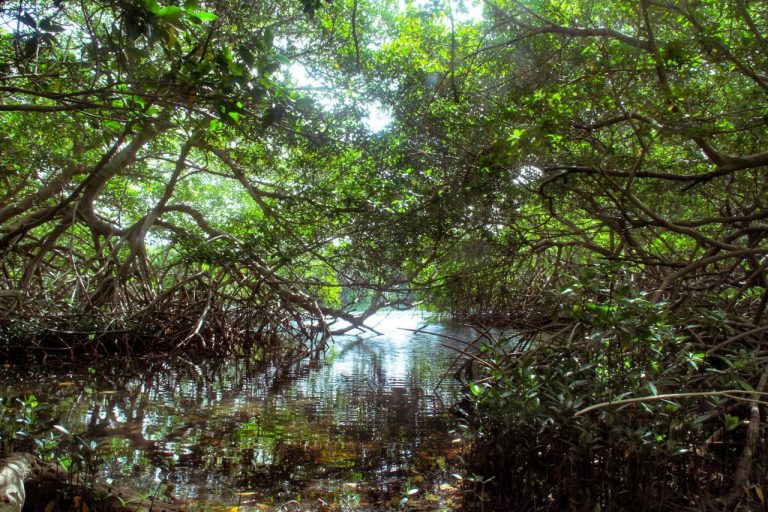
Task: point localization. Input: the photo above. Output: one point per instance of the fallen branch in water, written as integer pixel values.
(730, 393)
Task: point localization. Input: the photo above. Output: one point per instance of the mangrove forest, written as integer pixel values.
(379, 255)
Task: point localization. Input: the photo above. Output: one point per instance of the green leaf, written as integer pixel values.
(204, 67)
(50, 26)
(30, 47)
(204, 15)
(152, 6)
(269, 38)
(113, 126)
(27, 20)
(731, 422)
(235, 69)
(61, 429)
(282, 59)
(475, 389)
(139, 101)
(746, 386)
(171, 13)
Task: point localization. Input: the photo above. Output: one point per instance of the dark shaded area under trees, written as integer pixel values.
(591, 173)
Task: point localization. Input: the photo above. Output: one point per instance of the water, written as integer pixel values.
(364, 427)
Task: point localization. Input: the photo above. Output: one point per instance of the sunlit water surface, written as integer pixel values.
(363, 427)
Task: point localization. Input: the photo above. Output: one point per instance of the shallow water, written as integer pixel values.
(363, 427)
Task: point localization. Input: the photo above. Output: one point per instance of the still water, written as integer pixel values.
(365, 426)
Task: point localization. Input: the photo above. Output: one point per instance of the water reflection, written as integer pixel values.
(359, 427)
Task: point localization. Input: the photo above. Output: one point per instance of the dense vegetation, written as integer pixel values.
(163, 185)
(591, 172)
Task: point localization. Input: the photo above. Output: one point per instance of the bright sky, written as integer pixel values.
(464, 11)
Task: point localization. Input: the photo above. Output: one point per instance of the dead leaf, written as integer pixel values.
(79, 504)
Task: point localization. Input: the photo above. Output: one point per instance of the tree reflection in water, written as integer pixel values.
(357, 424)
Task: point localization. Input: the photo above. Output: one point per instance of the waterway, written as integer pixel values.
(364, 426)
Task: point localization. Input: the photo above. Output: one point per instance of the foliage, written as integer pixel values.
(535, 436)
(591, 170)
(599, 180)
(19, 420)
(522, 146)
(28, 425)
(164, 185)
(562, 133)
